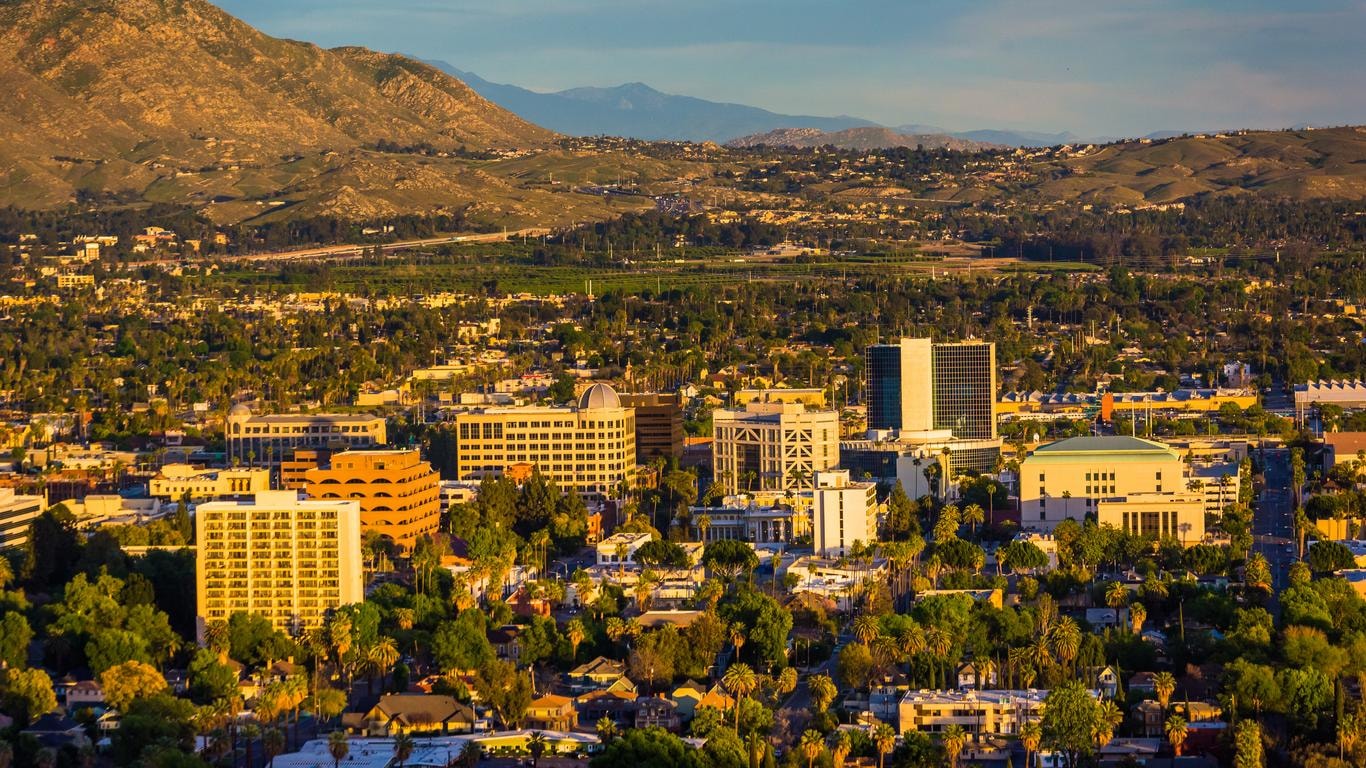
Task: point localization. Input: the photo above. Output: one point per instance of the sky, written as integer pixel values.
(1094, 67)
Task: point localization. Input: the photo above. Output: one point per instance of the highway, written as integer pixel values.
(351, 251)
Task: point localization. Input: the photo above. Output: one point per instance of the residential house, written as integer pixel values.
(615, 705)
(1148, 718)
(413, 713)
(86, 693)
(977, 674)
(598, 674)
(1143, 682)
(506, 643)
(658, 712)
(552, 713)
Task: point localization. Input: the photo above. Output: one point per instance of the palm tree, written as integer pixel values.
(1176, 733)
(405, 617)
(1137, 615)
(787, 681)
(250, 732)
(576, 634)
(811, 745)
(1031, 735)
(740, 681)
(381, 656)
(737, 637)
(939, 642)
(403, 748)
(535, 746)
(1107, 718)
(884, 738)
(1116, 595)
(703, 525)
(272, 743)
(338, 746)
(839, 753)
(866, 629)
(822, 691)
(974, 515)
(1164, 685)
(954, 739)
(607, 730)
(1065, 639)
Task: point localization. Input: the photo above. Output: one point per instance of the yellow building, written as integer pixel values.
(283, 558)
(264, 440)
(1157, 515)
(175, 481)
(813, 397)
(773, 446)
(1068, 478)
(399, 493)
(590, 449)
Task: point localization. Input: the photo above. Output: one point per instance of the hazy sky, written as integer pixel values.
(1090, 66)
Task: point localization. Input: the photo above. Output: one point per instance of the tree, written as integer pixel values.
(822, 692)
(954, 739)
(839, 753)
(404, 745)
(123, 683)
(854, 665)
(739, 681)
(1031, 736)
(1069, 711)
(651, 747)
(1175, 728)
(327, 703)
(576, 634)
(272, 743)
(1021, 556)
(1137, 615)
(15, 637)
(339, 746)
(884, 738)
(1257, 572)
(26, 694)
(1329, 556)
(658, 552)
(1116, 595)
(812, 745)
(728, 558)
(1247, 745)
(210, 680)
(607, 730)
(505, 690)
(1164, 685)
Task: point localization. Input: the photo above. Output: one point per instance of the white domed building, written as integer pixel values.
(589, 448)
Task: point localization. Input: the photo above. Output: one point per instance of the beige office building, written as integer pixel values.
(176, 481)
(843, 512)
(399, 493)
(277, 556)
(1177, 515)
(981, 714)
(265, 440)
(590, 449)
(773, 446)
(17, 513)
(1069, 478)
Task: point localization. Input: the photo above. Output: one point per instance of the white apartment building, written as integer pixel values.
(17, 513)
(773, 446)
(843, 512)
(278, 556)
(982, 714)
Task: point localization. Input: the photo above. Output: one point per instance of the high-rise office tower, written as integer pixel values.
(965, 389)
(916, 386)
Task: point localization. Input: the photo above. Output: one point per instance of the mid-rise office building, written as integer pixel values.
(981, 714)
(773, 447)
(590, 448)
(297, 462)
(265, 440)
(285, 559)
(659, 425)
(178, 481)
(17, 513)
(925, 397)
(843, 512)
(399, 493)
(1071, 478)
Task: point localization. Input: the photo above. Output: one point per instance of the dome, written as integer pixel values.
(599, 396)
(240, 409)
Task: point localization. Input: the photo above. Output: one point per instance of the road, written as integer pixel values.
(1273, 517)
(351, 251)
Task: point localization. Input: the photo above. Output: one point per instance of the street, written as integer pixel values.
(1273, 518)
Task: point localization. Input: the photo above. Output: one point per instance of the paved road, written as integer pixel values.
(355, 251)
(1273, 517)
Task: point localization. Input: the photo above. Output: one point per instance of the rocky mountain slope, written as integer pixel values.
(132, 100)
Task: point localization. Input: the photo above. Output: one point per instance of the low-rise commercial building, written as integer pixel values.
(843, 512)
(979, 713)
(265, 440)
(178, 481)
(1068, 478)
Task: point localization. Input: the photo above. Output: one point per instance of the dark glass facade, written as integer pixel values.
(882, 371)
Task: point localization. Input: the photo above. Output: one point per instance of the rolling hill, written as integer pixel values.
(857, 139)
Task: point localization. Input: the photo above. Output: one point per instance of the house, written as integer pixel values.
(658, 712)
(57, 730)
(1148, 718)
(413, 713)
(1143, 682)
(1103, 679)
(505, 642)
(1107, 618)
(686, 696)
(86, 693)
(598, 674)
(552, 713)
(524, 604)
(977, 674)
(617, 706)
